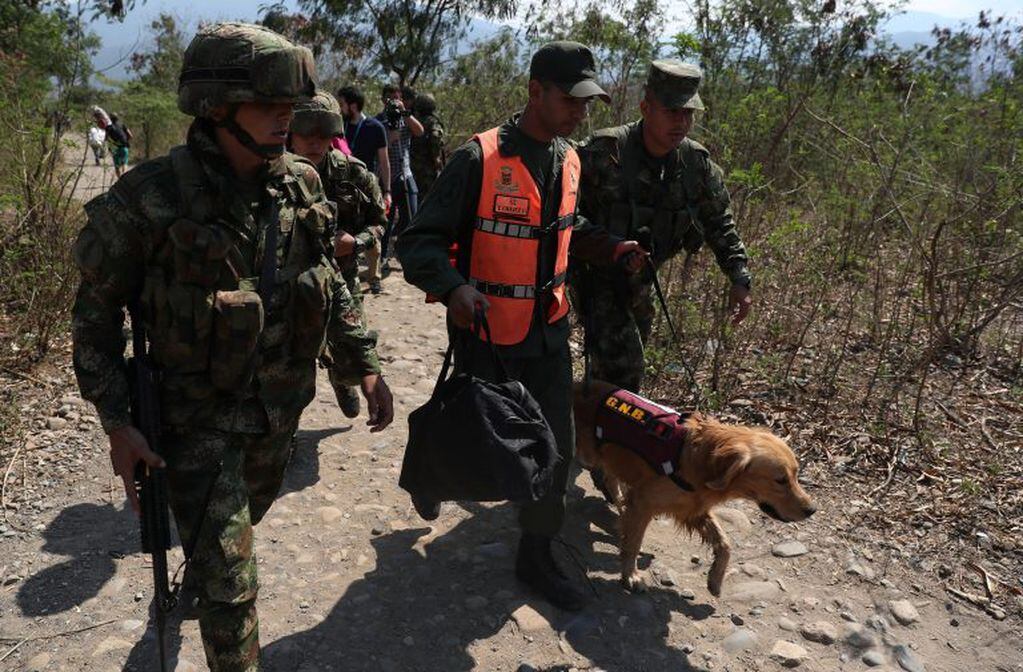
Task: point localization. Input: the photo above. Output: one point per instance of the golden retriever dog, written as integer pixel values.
(719, 462)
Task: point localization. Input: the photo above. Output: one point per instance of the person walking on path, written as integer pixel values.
(220, 252)
(649, 181)
(507, 199)
(360, 216)
(120, 136)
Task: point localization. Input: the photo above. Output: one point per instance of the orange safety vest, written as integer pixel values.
(506, 241)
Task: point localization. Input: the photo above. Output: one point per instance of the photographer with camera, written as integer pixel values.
(401, 126)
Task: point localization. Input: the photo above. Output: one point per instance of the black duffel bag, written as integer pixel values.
(477, 440)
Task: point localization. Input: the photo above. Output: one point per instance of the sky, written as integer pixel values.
(121, 39)
(958, 9)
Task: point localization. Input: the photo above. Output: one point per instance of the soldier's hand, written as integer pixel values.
(631, 255)
(127, 448)
(387, 203)
(739, 303)
(462, 304)
(379, 401)
(344, 244)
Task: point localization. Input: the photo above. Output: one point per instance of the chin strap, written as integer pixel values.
(245, 138)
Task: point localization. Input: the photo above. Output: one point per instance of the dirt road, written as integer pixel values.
(352, 580)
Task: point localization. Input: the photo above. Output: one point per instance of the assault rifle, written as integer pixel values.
(151, 482)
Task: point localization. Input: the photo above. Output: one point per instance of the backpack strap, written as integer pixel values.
(192, 189)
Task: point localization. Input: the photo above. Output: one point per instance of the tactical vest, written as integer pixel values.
(652, 431)
(350, 201)
(655, 210)
(505, 253)
(215, 323)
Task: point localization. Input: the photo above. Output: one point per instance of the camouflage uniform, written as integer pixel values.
(185, 240)
(427, 151)
(669, 205)
(355, 193)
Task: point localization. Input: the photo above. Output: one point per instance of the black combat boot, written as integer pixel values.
(428, 509)
(535, 566)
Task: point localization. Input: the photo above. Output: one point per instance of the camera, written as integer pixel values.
(392, 115)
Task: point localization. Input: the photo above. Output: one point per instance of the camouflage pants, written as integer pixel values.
(251, 469)
(617, 314)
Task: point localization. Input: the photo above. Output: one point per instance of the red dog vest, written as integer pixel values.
(652, 431)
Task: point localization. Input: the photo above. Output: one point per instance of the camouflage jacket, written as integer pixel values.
(182, 240)
(427, 154)
(356, 193)
(668, 206)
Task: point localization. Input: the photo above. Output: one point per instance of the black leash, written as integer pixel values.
(660, 298)
(701, 401)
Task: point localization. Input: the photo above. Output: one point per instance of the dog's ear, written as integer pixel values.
(734, 460)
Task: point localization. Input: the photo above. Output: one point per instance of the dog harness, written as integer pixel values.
(652, 431)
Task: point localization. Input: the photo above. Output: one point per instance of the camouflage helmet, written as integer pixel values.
(320, 115)
(239, 63)
(425, 104)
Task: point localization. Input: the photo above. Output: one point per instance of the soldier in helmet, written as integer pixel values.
(221, 250)
(647, 180)
(355, 193)
(427, 150)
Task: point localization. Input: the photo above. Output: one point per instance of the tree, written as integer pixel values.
(406, 37)
(623, 34)
(161, 65)
(148, 102)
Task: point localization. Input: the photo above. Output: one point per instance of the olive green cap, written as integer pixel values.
(675, 84)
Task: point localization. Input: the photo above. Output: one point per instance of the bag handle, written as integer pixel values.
(482, 328)
(479, 323)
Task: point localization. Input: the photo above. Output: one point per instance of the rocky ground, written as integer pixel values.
(353, 580)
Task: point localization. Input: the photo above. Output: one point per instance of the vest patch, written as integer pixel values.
(511, 206)
(652, 431)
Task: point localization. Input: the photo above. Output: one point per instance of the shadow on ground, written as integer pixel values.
(304, 466)
(422, 607)
(93, 535)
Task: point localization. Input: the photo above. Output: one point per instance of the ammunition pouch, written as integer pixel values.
(237, 325)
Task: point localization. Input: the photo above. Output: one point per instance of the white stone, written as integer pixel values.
(904, 611)
(788, 654)
(753, 591)
(789, 549)
(821, 632)
(740, 640)
(330, 514)
(530, 620)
